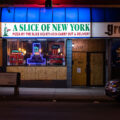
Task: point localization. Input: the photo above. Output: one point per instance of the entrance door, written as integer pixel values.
(96, 69)
(79, 69)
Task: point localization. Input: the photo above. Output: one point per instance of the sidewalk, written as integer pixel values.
(57, 94)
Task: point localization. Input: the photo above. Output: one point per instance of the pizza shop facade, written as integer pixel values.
(59, 47)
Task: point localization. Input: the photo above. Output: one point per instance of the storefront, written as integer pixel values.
(58, 47)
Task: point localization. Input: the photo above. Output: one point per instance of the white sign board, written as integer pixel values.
(107, 29)
(43, 30)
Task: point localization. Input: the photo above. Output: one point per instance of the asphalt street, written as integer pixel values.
(24, 110)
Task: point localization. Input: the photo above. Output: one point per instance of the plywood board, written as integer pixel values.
(40, 73)
(88, 45)
(79, 69)
(61, 73)
(96, 69)
(51, 73)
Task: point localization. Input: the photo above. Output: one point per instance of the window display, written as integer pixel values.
(35, 52)
(36, 57)
(56, 54)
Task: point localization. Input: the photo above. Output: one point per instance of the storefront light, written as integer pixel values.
(73, 45)
(48, 3)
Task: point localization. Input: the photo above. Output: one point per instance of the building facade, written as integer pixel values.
(60, 47)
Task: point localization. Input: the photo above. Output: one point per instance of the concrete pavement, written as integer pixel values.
(59, 94)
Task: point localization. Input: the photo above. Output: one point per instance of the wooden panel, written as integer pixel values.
(20, 70)
(79, 69)
(61, 73)
(88, 45)
(8, 79)
(0, 52)
(26, 73)
(51, 73)
(40, 73)
(96, 69)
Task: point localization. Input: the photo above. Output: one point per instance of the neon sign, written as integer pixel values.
(36, 57)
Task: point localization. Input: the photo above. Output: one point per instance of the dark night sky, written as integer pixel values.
(62, 2)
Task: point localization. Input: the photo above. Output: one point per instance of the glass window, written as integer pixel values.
(56, 53)
(35, 52)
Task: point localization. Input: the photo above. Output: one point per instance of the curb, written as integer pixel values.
(58, 99)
